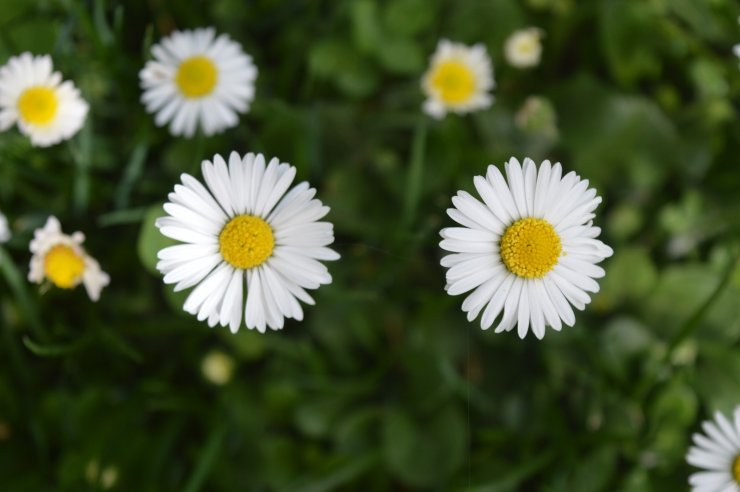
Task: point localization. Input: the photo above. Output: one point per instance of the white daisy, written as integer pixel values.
(46, 109)
(458, 79)
(528, 251)
(717, 452)
(62, 260)
(244, 227)
(523, 48)
(196, 79)
(4, 229)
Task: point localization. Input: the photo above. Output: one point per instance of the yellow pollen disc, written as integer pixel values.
(63, 266)
(530, 247)
(453, 81)
(736, 468)
(38, 105)
(246, 241)
(196, 76)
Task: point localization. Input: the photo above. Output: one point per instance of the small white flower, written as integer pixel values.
(4, 229)
(528, 251)
(198, 79)
(46, 109)
(736, 50)
(245, 229)
(459, 79)
(718, 452)
(217, 367)
(523, 48)
(62, 260)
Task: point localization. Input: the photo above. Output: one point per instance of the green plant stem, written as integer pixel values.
(415, 174)
(694, 321)
(18, 286)
(207, 458)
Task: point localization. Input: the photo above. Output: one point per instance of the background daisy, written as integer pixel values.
(458, 79)
(528, 251)
(245, 235)
(198, 80)
(32, 95)
(63, 261)
(718, 453)
(523, 48)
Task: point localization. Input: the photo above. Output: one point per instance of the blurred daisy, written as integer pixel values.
(528, 251)
(62, 260)
(4, 229)
(46, 109)
(217, 367)
(717, 452)
(245, 228)
(523, 48)
(458, 79)
(197, 79)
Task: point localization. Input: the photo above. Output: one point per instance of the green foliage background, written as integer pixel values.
(384, 386)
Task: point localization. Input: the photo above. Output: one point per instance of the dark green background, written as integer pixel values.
(384, 386)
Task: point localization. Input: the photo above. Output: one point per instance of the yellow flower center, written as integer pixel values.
(38, 105)
(63, 266)
(530, 247)
(246, 241)
(453, 81)
(196, 76)
(736, 468)
(527, 45)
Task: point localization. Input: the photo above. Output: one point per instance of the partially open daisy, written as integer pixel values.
(4, 229)
(458, 79)
(198, 79)
(528, 251)
(61, 260)
(46, 109)
(717, 452)
(245, 228)
(523, 48)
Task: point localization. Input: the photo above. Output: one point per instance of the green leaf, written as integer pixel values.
(409, 17)
(424, 452)
(151, 240)
(401, 56)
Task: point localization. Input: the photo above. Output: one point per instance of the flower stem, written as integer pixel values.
(690, 326)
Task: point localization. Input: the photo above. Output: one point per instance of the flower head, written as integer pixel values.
(198, 79)
(46, 109)
(523, 48)
(62, 260)
(458, 79)
(718, 452)
(246, 234)
(4, 229)
(528, 251)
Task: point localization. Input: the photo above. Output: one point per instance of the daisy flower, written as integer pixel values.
(4, 229)
(198, 79)
(717, 452)
(244, 234)
(528, 251)
(523, 48)
(62, 260)
(46, 109)
(458, 79)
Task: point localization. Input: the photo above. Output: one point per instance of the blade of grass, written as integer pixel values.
(131, 174)
(207, 458)
(415, 174)
(82, 156)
